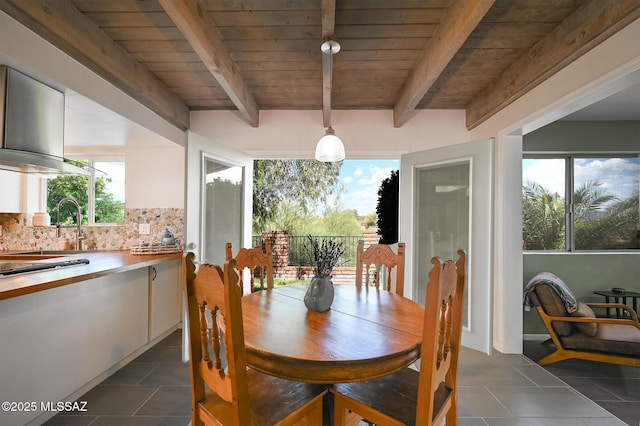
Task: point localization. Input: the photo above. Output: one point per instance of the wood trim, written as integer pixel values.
(580, 32)
(61, 24)
(192, 20)
(461, 19)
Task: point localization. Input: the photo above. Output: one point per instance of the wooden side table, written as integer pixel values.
(619, 297)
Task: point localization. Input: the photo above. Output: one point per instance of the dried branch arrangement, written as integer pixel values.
(325, 255)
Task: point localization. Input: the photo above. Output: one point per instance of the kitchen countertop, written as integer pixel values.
(101, 263)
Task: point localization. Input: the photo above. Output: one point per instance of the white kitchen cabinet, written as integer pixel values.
(57, 343)
(164, 297)
(11, 188)
(21, 192)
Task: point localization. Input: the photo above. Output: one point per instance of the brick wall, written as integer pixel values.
(280, 249)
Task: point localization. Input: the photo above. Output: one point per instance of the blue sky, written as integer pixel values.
(617, 175)
(361, 180)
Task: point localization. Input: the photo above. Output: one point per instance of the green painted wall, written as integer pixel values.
(583, 272)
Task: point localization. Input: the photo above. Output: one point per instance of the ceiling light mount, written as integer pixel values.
(330, 47)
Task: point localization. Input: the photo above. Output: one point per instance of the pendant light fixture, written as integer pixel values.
(330, 147)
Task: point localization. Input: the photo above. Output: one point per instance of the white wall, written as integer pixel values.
(365, 134)
(608, 68)
(155, 176)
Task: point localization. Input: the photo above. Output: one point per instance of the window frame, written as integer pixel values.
(569, 158)
(91, 159)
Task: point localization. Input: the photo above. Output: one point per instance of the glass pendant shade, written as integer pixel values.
(330, 147)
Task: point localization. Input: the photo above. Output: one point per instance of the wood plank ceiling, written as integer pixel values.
(252, 55)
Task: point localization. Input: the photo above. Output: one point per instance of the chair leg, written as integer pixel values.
(339, 413)
(558, 355)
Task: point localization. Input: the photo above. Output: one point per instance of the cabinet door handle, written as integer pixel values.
(155, 273)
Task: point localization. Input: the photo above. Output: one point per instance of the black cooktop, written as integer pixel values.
(19, 267)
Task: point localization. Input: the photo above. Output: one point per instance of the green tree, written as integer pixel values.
(600, 220)
(107, 209)
(340, 222)
(542, 218)
(67, 186)
(370, 220)
(590, 200)
(604, 222)
(304, 183)
(387, 208)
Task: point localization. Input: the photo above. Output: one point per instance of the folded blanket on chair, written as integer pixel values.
(556, 284)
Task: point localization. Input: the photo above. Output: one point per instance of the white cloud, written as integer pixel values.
(347, 179)
(375, 175)
(616, 175)
(363, 193)
(548, 173)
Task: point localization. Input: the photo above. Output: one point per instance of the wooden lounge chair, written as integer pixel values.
(577, 332)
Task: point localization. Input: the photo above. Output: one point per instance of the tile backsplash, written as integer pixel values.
(18, 235)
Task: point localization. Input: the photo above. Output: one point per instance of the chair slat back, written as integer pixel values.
(371, 261)
(217, 340)
(442, 331)
(259, 263)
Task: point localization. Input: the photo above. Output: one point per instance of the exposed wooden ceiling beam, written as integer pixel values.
(61, 24)
(192, 20)
(328, 28)
(593, 22)
(461, 19)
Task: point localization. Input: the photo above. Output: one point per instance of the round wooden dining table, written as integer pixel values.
(366, 334)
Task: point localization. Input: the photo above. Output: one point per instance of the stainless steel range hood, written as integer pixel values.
(32, 131)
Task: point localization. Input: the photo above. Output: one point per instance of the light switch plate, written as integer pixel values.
(144, 229)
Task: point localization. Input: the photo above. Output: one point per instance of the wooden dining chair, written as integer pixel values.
(223, 390)
(373, 258)
(257, 262)
(408, 396)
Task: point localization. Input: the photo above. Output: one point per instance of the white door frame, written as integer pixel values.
(480, 155)
(198, 148)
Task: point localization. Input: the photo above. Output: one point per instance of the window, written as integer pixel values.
(580, 202)
(101, 197)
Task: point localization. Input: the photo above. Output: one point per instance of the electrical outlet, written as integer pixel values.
(144, 229)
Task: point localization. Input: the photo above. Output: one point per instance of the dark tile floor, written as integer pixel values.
(501, 390)
(616, 388)
(152, 390)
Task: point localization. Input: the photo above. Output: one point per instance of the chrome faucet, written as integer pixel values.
(79, 233)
